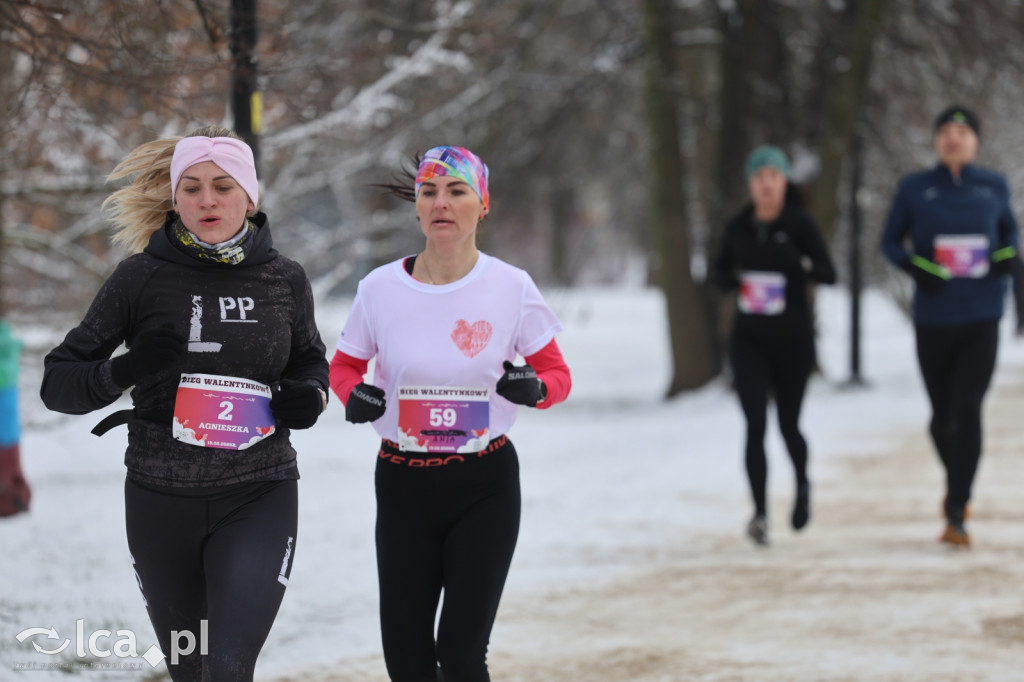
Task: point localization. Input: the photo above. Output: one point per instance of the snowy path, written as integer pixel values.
(632, 565)
(865, 594)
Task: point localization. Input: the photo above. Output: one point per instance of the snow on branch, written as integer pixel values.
(377, 97)
(51, 184)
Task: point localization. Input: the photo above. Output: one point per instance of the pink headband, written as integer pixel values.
(233, 156)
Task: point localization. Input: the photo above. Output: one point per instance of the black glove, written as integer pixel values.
(365, 404)
(296, 404)
(930, 277)
(520, 385)
(1003, 261)
(153, 351)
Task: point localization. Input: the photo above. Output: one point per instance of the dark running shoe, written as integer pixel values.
(802, 506)
(757, 529)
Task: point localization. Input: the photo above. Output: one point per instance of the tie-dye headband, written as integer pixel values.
(457, 162)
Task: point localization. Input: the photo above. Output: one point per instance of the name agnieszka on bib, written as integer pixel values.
(228, 413)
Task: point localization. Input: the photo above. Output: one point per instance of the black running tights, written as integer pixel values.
(765, 368)
(217, 554)
(450, 527)
(957, 362)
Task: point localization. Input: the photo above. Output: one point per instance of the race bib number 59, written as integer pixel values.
(443, 418)
(222, 412)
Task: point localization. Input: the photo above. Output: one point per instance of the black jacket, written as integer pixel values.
(792, 246)
(253, 320)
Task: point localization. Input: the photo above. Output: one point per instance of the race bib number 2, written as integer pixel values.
(443, 418)
(222, 412)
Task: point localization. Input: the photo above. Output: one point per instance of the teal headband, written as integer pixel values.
(766, 155)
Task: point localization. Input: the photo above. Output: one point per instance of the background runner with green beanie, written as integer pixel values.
(770, 252)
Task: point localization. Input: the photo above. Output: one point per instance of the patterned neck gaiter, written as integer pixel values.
(231, 252)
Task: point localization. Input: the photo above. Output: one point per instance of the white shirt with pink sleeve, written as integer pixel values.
(427, 337)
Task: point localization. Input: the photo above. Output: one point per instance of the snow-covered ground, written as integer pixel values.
(614, 480)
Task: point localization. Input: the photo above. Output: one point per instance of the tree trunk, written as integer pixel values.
(693, 362)
(843, 114)
(563, 206)
(735, 97)
(246, 99)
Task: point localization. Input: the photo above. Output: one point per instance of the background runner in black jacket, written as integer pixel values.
(211, 530)
(771, 251)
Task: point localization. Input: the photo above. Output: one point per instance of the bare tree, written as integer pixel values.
(844, 108)
(691, 340)
(87, 81)
(550, 94)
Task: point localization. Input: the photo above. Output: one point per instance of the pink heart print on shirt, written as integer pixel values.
(472, 338)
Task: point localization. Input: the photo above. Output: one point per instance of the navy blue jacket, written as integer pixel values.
(932, 203)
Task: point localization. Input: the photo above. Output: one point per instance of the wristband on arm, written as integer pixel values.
(1005, 253)
(1001, 262)
(930, 267)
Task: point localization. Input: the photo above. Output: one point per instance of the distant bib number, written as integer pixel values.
(964, 255)
(762, 293)
(443, 418)
(222, 412)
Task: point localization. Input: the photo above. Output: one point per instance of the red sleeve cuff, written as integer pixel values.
(552, 370)
(346, 373)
